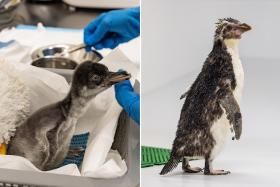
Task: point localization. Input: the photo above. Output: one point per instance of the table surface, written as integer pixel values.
(55, 14)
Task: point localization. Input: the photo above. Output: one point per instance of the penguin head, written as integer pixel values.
(92, 78)
(230, 29)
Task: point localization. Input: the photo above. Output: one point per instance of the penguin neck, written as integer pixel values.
(231, 45)
(76, 102)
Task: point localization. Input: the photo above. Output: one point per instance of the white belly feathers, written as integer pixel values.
(221, 128)
(237, 67)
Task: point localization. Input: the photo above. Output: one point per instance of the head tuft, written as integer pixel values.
(229, 28)
(226, 20)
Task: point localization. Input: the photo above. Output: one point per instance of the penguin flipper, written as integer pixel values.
(169, 166)
(184, 95)
(232, 109)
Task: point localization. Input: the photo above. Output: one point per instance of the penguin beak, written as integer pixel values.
(244, 27)
(239, 29)
(116, 77)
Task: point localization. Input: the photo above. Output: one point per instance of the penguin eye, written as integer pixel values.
(96, 79)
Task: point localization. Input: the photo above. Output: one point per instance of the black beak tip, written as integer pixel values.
(128, 76)
(116, 77)
(246, 27)
(125, 73)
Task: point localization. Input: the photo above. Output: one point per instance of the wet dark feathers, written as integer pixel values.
(201, 107)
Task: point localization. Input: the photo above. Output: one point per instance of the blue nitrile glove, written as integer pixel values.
(128, 99)
(112, 28)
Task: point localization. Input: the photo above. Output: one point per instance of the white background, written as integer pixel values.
(176, 38)
(177, 35)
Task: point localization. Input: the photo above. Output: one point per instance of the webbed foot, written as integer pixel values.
(216, 172)
(188, 169)
(208, 170)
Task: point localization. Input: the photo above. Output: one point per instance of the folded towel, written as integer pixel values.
(14, 101)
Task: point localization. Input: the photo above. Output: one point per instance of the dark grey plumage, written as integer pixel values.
(45, 136)
(210, 97)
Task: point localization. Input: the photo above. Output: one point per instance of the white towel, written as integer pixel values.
(14, 101)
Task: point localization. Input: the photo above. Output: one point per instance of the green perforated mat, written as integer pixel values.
(151, 156)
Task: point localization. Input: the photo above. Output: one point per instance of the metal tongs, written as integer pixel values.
(76, 48)
(71, 50)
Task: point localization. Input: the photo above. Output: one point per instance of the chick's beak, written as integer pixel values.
(244, 27)
(116, 77)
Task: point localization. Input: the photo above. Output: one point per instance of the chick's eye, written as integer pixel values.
(96, 79)
(229, 27)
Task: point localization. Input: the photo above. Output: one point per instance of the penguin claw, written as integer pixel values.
(217, 172)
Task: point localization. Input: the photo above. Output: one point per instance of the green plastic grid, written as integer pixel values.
(151, 156)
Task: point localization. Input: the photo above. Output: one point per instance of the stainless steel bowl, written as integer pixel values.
(56, 58)
(55, 52)
(59, 63)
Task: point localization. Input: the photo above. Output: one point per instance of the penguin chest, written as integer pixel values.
(238, 73)
(64, 136)
(66, 133)
(220, 130)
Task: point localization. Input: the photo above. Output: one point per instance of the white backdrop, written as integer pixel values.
(177, 35)
(176, 38)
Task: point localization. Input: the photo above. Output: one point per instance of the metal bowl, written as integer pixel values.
(59, 63)
(50, 58)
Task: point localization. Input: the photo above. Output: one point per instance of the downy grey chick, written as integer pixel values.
(44, 138)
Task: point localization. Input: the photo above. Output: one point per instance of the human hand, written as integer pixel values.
(128, 99)
(112, 28)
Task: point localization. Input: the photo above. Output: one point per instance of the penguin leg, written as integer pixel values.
(208, 170)
(187, 168)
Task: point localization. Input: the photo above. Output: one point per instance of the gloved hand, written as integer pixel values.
(112, 28)
(128, 99)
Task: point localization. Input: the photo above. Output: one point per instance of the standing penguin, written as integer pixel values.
(44, 138)
(211, 107)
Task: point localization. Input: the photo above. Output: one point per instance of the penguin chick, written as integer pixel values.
(44, 138)
(212, 103)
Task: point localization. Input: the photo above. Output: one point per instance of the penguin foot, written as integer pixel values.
(216, 172)
(189, 169)
(75, 152)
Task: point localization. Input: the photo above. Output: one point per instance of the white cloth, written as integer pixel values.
(104, 125)
(20, 163)
(100, 119)
(28, 40)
